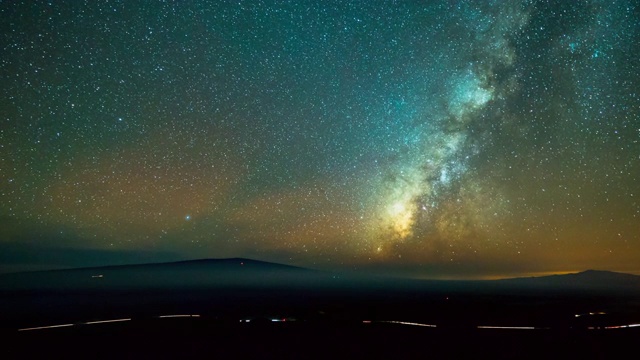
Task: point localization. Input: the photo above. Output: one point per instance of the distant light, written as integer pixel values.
(188, 217)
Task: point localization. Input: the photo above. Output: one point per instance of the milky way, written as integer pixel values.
(438, 139)
(441, 150)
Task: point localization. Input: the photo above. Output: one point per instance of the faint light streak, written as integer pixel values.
(592, 313)
(508, 327)
(408, 323)
(106, 321)
(283, 320)
(46, 327)
(178, 316)
(622, 326)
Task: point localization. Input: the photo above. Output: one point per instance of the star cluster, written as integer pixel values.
(430, 139)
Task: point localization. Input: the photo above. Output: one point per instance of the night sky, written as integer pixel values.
(434, 139)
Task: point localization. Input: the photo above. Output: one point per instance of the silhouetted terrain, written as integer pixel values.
(242, 297)
(181, 274)
(238, 272)
(586, 280)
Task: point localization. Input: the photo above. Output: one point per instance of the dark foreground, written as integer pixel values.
(207, 338)
(238, 308)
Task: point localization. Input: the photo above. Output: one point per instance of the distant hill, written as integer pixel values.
(587, 280)
(181, 274)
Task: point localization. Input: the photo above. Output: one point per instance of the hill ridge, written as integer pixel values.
(209, 261)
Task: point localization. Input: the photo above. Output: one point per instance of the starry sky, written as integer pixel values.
(432, 139)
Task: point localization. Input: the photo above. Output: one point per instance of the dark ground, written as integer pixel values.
(200, 338)
(327, 316)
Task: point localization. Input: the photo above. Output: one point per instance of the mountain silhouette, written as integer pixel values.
(587, 280)
(180, 274)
